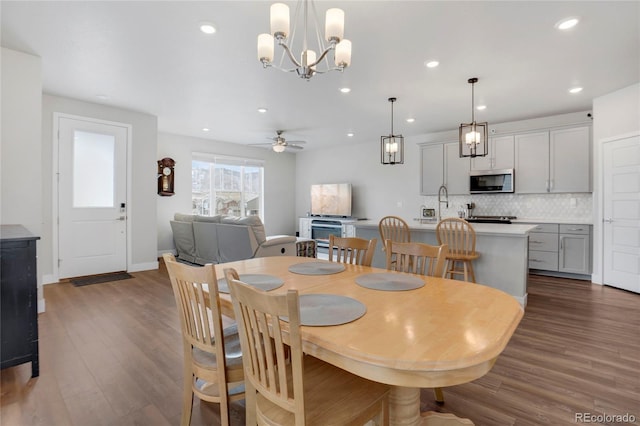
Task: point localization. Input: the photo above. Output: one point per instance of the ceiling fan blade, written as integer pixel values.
(291, 146)
(260, 144)
(296, 142)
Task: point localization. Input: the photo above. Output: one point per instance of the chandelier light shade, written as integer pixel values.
(392, 146)
(474, 136)
(311, 61)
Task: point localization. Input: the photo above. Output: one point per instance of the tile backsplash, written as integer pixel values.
(523, 206)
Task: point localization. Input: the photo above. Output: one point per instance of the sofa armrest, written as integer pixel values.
(277, 245)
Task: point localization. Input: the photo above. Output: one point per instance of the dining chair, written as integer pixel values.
(212, 356)
(292, 388)
(395, 229)
(354, 250)
(460, 236)
(416, 258)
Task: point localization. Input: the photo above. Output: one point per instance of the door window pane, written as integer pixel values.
(93, 169)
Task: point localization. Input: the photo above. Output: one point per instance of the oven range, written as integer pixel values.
(490, 219)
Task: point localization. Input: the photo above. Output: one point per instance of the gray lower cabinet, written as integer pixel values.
(575, 249)
(562, 248)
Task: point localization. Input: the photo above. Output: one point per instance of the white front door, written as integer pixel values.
(92, 183)
(622, 214)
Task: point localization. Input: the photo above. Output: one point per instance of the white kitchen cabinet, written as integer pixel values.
(532, 162)
(501, 155)
(305, 227)
(431, 168)
(553, 161)
(456, 172)
(575, 249)
(441, 165)
(570, 160)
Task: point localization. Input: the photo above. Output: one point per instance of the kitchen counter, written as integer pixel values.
(562, 221)
(503, 249)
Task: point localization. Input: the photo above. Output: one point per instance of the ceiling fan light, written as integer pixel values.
(278, 148)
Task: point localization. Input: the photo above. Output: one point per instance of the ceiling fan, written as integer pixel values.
(279, 143)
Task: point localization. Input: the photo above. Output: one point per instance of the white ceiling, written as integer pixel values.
(152, 57)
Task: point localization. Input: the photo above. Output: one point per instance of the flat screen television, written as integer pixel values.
(331, 199)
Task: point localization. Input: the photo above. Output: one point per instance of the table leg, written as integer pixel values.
(404, 406)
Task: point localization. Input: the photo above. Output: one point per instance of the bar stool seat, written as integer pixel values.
(460, 237)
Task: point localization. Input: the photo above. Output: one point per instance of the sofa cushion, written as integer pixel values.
(184, 240)
(182, 217)
(206, 238)
(207, 219)
(253, 221)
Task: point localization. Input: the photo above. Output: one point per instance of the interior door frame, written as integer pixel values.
(597, 276)
(55, 214)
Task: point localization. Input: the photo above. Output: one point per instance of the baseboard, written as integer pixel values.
(138, 267)
(49, 279)
(41, 305)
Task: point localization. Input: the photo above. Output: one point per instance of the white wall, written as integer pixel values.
(143, 178)
(615, 114)
(279, 183)
(21, 148)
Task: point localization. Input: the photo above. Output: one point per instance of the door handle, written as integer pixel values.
(122, 218)
(608, 220)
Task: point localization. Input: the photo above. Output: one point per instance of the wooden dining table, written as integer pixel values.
(444, 333)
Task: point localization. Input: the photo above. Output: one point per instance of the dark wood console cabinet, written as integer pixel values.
(18, 298)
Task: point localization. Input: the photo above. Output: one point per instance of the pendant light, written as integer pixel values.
(392, 146)
(474, 136)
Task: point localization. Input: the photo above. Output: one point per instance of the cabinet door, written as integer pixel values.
(432, 168)
(574, 254)
(501, 155)
(503, 152)
(570, 160)
(456, 170)
(305, 227)
(532, 162)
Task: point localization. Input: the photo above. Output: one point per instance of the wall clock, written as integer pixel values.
(166, 176)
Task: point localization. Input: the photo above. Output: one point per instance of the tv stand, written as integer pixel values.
(319, 228)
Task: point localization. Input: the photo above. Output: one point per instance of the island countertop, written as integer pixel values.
(503, 229)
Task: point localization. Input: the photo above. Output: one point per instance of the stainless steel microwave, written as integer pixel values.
(491, 181)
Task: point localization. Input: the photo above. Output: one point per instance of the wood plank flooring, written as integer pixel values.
(110, 354)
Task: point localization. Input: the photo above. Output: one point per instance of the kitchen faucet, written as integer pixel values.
(440, 200)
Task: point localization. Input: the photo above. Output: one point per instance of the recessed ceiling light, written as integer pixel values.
(481, 107)
(411, 120)
(207, 28)
(431, 64)
(345, 89)
(350, 134)
(205, 129)
(567, 23)
(575, 90)
(262, 110)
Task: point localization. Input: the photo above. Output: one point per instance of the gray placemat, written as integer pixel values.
(328, 309)
(262, 281)
(389, 282)
(317, 268)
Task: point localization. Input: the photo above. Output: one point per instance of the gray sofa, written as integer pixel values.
(219, 239)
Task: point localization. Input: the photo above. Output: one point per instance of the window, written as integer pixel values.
(226, 186)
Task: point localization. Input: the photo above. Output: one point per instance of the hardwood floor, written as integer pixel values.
(110, 354)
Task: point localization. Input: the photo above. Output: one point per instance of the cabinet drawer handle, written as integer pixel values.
(535, 242)
(535, 260)
(575, 229)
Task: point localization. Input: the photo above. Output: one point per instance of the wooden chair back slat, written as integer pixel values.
(395, 229)
(416, 258)
(458, 234)
(353, 250)
(274, 347)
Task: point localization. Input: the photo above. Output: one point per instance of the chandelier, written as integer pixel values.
(473, 136)
(309, 62)
(392, 146)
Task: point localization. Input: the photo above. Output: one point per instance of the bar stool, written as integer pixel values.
(460, 236)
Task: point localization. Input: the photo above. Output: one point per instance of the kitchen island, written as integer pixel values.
(503, 249)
